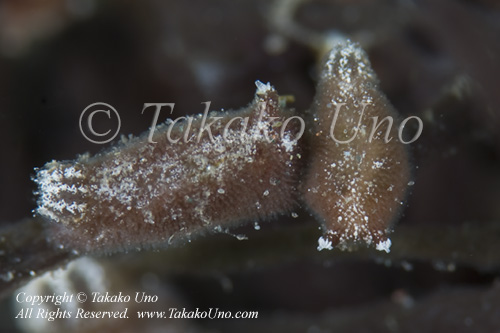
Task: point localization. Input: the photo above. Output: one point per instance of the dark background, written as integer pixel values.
(439, 61)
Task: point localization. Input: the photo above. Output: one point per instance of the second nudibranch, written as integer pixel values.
(358, 173)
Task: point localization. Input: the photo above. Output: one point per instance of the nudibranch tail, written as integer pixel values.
(358, 171)
(244, 166)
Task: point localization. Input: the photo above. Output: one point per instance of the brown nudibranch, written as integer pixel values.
(358, 173)
(245, 166)
(139, 194)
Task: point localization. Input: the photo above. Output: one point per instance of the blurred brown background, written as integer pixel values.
(437, 60)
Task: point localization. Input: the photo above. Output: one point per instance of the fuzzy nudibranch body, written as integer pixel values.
(357, 176)
(140, 194)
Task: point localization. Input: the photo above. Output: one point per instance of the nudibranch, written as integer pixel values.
(244, 166)
(358, 170)
(190, 178)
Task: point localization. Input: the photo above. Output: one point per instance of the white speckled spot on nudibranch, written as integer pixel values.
(138, 194)
(354, 186)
